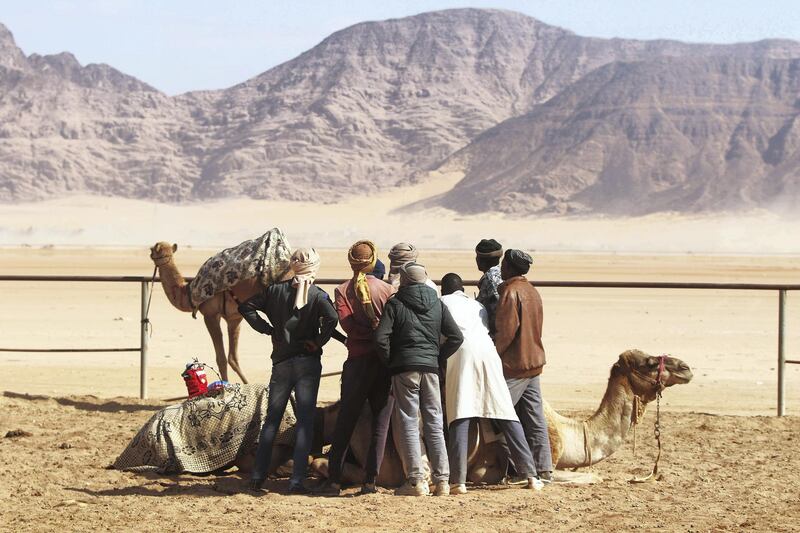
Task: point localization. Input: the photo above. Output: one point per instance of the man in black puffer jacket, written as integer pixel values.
(408, 340)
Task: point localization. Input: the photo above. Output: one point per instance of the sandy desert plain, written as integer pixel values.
(728, 464)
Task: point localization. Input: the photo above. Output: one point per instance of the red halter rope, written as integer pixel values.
(661, 359)
(658, 384)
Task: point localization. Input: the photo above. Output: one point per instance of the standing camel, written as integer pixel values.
(221, 305)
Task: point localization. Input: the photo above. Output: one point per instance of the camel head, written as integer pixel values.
(641, 369)
(161, 252)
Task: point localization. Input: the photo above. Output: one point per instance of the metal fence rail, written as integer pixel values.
(146, 289)
(68, 350)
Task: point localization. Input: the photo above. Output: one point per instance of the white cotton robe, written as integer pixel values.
(474, 385)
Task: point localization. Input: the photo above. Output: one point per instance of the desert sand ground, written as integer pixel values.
(723, 471)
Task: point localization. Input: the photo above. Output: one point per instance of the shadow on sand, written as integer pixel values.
(215, 485)
(92, 403)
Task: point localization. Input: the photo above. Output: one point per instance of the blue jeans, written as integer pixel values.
(301, 374)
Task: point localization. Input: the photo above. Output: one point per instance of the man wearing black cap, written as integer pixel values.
(518, 340)
(380, 269)
(487, 256)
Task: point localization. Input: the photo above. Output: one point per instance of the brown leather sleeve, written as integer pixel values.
(506, 320)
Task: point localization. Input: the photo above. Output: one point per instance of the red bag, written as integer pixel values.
(195, 378)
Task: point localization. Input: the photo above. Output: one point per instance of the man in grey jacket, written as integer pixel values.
(408, 340)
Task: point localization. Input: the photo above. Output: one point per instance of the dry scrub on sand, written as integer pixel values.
(720, 473)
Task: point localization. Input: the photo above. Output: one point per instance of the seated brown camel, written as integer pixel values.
(634, 382)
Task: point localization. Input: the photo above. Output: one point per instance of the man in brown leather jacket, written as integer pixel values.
(518, 339)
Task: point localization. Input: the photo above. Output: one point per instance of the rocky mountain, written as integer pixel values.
(671, 134)
(372, 106)
(378, 103)
(66, 128)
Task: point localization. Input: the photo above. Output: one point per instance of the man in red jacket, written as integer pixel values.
(518, 339)
(359, 304)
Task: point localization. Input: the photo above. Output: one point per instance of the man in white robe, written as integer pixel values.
(475, 388)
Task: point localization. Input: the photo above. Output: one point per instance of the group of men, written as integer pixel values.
(402, 341)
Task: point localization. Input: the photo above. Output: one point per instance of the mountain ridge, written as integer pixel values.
(371, 107)
(551, 161)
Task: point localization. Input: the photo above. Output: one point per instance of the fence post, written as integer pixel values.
(781, 353)
(144, 331)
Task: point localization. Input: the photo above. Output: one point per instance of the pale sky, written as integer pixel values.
(182, 45)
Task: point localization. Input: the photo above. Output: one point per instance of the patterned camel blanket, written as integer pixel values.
(265, 258)
(205, 433)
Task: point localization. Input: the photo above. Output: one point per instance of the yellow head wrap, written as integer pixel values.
(362, 256)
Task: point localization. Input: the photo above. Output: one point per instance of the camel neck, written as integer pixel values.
(173, 283)
(607, 428)
(169, 274)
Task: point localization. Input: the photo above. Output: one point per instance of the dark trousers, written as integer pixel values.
(364, 379)
(530, 410)
(516, 445)
(301, 374)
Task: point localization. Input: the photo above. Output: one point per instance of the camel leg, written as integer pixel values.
(353, 474)
(214, 329)
(233, 345)
(392, 473)
(556, 444)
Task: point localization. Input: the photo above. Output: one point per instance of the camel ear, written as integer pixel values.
(174, 248)
(621, 366)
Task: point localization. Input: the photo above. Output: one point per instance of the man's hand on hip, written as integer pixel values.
(310, 346)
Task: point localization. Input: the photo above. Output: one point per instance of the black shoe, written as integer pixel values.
(298, 489)
(256, 486)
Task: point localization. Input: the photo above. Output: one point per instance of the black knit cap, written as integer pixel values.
(519, 260)
(379, 270)
(489, 248)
